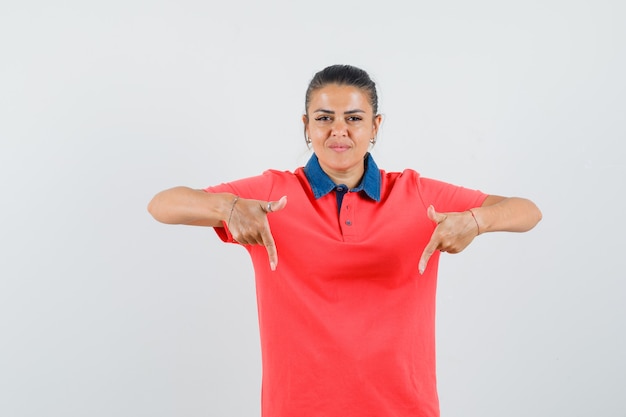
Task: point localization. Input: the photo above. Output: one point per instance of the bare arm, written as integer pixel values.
(501, 214)
(184, 205)
(246, 218)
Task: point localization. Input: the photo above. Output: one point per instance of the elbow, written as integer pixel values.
(535, 215)
(527, 214)
(154, 209)
(539, 215)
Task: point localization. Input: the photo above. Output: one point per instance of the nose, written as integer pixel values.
(339, 127)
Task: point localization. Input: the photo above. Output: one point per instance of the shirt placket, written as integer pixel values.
(347, 217)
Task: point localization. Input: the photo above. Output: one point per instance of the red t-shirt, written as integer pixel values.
(347, 323)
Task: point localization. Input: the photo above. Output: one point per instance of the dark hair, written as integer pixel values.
(343, 75)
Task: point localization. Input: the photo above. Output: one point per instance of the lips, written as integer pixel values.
(338, 147)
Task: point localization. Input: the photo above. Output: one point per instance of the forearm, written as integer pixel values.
(513, 214)
(183, 205)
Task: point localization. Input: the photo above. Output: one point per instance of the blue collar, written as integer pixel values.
(321, 184)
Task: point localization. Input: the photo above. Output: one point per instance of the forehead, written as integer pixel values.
(335, 96)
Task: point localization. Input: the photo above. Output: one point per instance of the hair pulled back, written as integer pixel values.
(343, 75)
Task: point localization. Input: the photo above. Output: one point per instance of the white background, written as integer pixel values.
(105, 312)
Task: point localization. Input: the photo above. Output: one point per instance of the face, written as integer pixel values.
(340, 125)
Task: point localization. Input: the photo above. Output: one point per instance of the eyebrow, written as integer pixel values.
(332, 112)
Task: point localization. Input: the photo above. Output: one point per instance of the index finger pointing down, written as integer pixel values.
(270, 246)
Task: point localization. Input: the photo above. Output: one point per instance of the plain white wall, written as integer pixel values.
(105, 312)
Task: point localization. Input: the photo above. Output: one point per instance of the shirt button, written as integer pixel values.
(349, 222)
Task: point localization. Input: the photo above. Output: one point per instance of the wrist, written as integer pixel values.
(232, 208)
(478, 228)
(221, 205)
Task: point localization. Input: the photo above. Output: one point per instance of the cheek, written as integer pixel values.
(367, 131)
(318, 130)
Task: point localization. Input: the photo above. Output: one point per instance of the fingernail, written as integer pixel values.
(421, 269)
(273, 266)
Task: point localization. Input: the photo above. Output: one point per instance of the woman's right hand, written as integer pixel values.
(246, 219)
(248, 224)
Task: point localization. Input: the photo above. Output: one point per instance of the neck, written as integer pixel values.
(350, 178)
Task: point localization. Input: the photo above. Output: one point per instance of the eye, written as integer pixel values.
(322, 118)
(354, 118)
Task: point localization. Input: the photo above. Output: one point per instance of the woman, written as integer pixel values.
(347, 319)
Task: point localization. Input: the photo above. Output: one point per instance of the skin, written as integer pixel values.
(340, 124)
(246, 218)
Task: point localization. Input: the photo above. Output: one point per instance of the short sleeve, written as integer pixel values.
(446, 197)
(258, 187)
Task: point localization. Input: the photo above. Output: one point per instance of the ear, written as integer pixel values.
(305, 120)
(378, 119)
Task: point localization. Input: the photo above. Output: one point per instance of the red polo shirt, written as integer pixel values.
(347, 323)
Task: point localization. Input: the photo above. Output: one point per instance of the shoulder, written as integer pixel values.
(279, 176)
(405, 183)
(407, 175)
(267, 176)
(258, 186)
(431, 191)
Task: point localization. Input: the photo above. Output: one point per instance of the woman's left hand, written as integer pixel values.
(454, 232)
